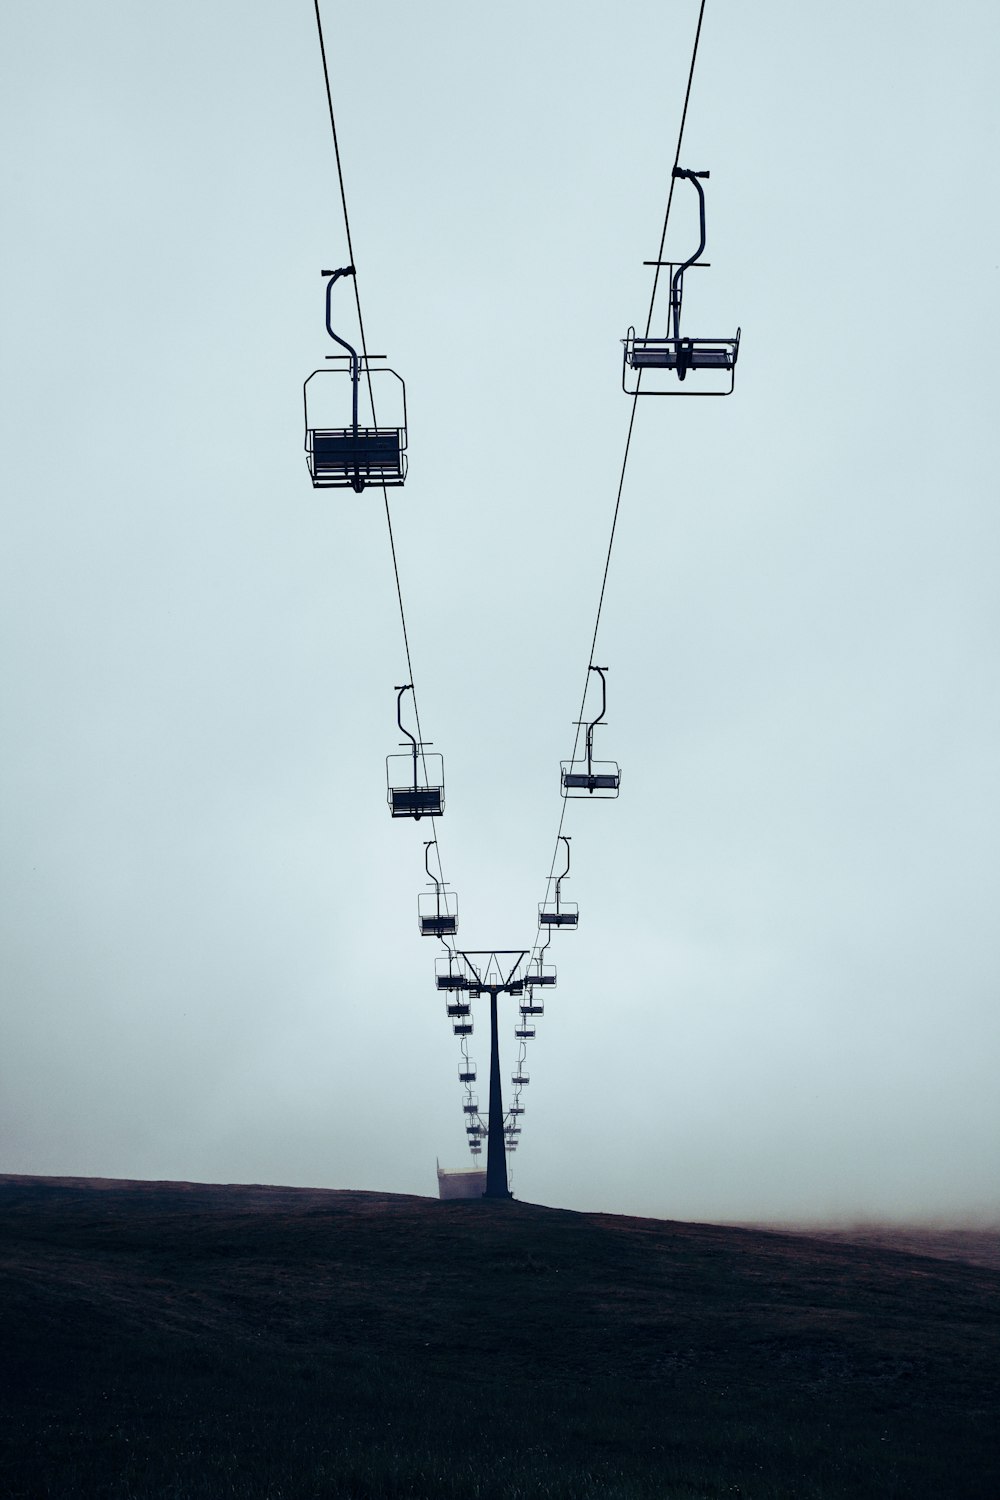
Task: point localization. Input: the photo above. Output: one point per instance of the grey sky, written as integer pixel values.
(782, 998)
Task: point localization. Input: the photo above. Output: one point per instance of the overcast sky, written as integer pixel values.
(781, 1001)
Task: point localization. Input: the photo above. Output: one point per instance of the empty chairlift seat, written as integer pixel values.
(589, 777)
(540, 974)
(681, 355)
(449, 975)
(678, 356)
(339, 458)
(552, 914)
(437, 912)
(558, 913)
(416, 779)
(407, 800)
(341, 451)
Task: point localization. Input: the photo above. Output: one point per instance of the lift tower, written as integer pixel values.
(493, 972)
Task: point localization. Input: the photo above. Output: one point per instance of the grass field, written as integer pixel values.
(166, 1339)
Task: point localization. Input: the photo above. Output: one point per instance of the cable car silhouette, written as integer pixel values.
(447, 976)
(539, 974)
(437, 914)
(462, 1028)
(343, 454)
(558, 913)
(466, 1072)
(519, 1079)
(416, 780)
(458, 1008)
(524, 1030)
(590, 777)
(532, 1006)
(516, 1109)
(675, 353)
(471, 1106)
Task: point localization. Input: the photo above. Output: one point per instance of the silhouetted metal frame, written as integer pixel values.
(433, 808)
(579, 784)
(684, 351)
(356, 474)
(498, 1140)
(444, 921)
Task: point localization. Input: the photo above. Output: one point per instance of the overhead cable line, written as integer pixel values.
(371, 397)
(628, 441)
(525, 1029)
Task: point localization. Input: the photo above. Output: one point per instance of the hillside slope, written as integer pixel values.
(171, 1338)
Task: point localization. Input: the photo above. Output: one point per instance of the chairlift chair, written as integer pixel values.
(475, 1147)
(416, 780)
(525, 1031)
(471, 1106)
(557, 913)
(519, 1079)
(437, 913)
(516, 1109)
(462, 1028)
(458, 1008)
(590, 777)
(532, 1006)
(466, 1072)
(448, 974)
(351, 455)
(539, 974)
(674, 353)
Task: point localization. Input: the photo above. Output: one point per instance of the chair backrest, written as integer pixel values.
(372, 449)
(426, 800)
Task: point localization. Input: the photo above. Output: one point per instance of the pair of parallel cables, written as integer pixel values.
(536, 950)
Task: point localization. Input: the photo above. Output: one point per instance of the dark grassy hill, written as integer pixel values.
(168, 1339)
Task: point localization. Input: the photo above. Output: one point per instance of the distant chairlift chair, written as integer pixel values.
(677, 354)
(416, 780)
(437, 913)
(353, 456)
(539, 973)
(590, 777)
(554, 914)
